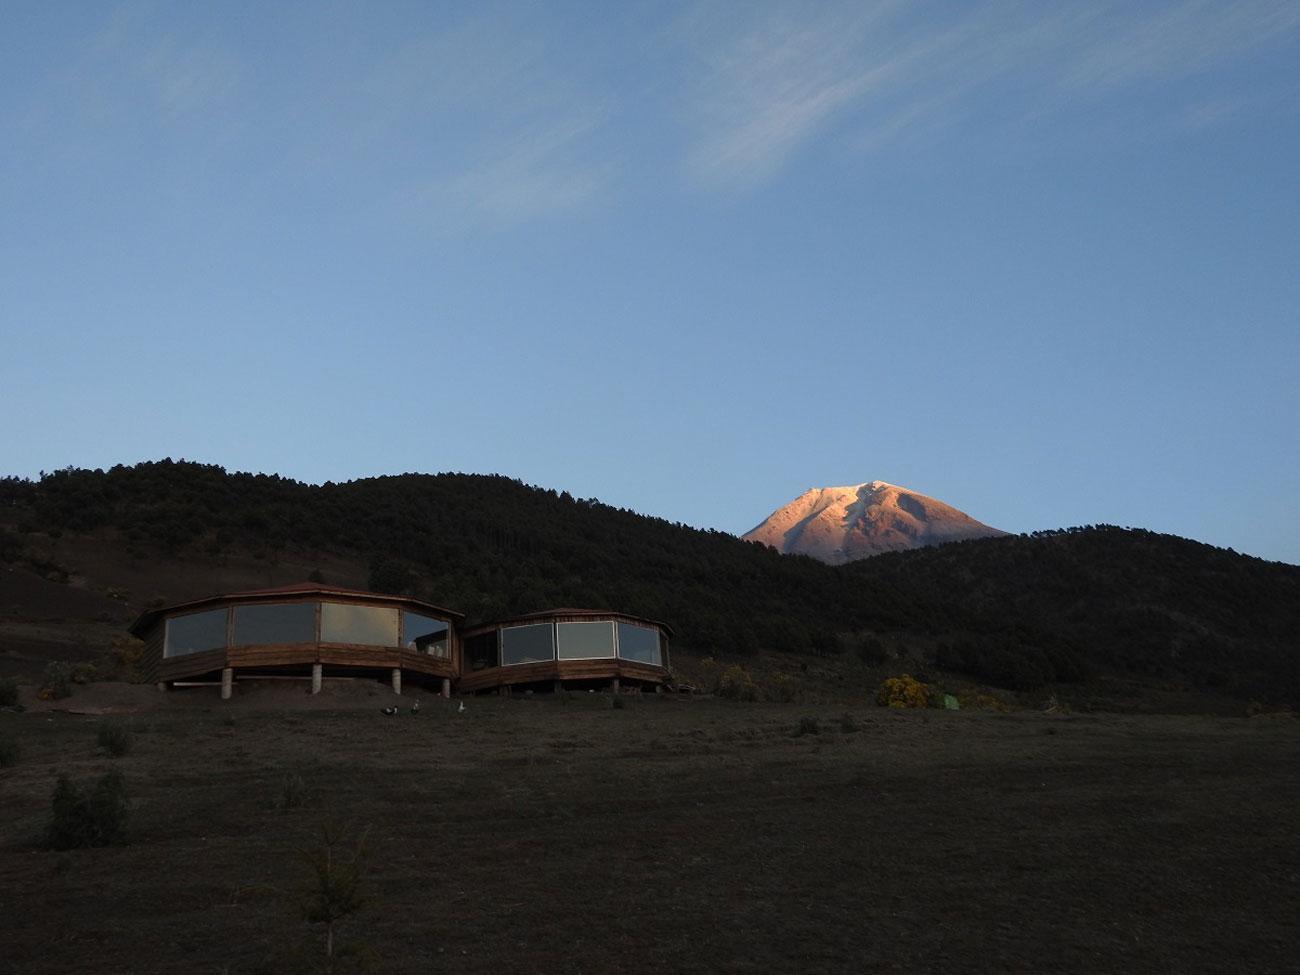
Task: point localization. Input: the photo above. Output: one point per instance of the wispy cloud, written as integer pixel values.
(187, 78)
(776, 83)
(768, 84)
(535, 172)
(1130, 45)
(508, 135)
(135, 61)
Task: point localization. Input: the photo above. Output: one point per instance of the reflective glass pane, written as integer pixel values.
(346, 623)
(639, 643)
(481, 651)
(275, 623)
(527, 644)
(424, 634)
(582, 641)
(196, 632)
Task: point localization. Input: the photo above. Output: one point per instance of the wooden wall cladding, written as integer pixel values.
(603, 669)
(191, 665)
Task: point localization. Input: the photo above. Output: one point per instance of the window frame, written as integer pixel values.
(501, 644)
(167, 623)
(659, 643)
(232, 632)
(613, 638)
(320, 628)
(403, 613)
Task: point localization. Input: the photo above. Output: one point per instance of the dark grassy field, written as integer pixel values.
(670, 835)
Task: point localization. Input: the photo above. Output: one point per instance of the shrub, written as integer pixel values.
(335, 878)
(904, 692)
(10, 753)
(114, 738)
(95, 818)
(781, 688)
(807, 726)
(84, 672)
(872, 651)
(57, 683)
(8, 692)
(390, 575)
(977, 701)
(826, 644)
(293, 793)
(736, 684)
(127, 653)
(1010, 662)
(709, 675)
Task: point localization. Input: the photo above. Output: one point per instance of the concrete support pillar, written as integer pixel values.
(504, 690)
(559, 686)
(446, 688)
(162, 685)
(613, 686)
(317, 674)
(659, 688)
(227, 682)
(397, 680)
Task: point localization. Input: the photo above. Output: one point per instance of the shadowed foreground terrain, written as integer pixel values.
(672, 834)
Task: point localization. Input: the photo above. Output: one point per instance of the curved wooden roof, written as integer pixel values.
(149, 617)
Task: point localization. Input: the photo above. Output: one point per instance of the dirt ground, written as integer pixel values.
(673, 834)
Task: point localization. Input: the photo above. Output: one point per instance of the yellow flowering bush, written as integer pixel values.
(904, 692)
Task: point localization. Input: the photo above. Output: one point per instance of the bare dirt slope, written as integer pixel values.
(671, 835)
(842, 524)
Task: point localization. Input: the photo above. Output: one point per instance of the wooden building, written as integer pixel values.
(299, 629)
(565, 646)
(315, 629)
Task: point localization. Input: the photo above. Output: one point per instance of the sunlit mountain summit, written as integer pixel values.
(842, 524)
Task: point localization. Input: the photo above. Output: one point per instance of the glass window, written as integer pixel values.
(374, 626)
(424, 634)
(275, 623)
(481, 651)
(639, 643)
(196, 632)
(527, 644)
(582, 641)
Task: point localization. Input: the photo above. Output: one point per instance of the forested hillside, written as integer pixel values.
(1018, 611)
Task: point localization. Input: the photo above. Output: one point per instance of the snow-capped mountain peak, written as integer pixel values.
(842, 524)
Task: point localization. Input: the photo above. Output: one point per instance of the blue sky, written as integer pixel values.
(1036, 260)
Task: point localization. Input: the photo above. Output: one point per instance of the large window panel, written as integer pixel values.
(527, 644)
(424, 634)
(586, 640)
(195, 633)
(275, 623)
(639, 644)
(481, 651)
(374, 626)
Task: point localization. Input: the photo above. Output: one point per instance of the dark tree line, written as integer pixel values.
(1018, 611)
